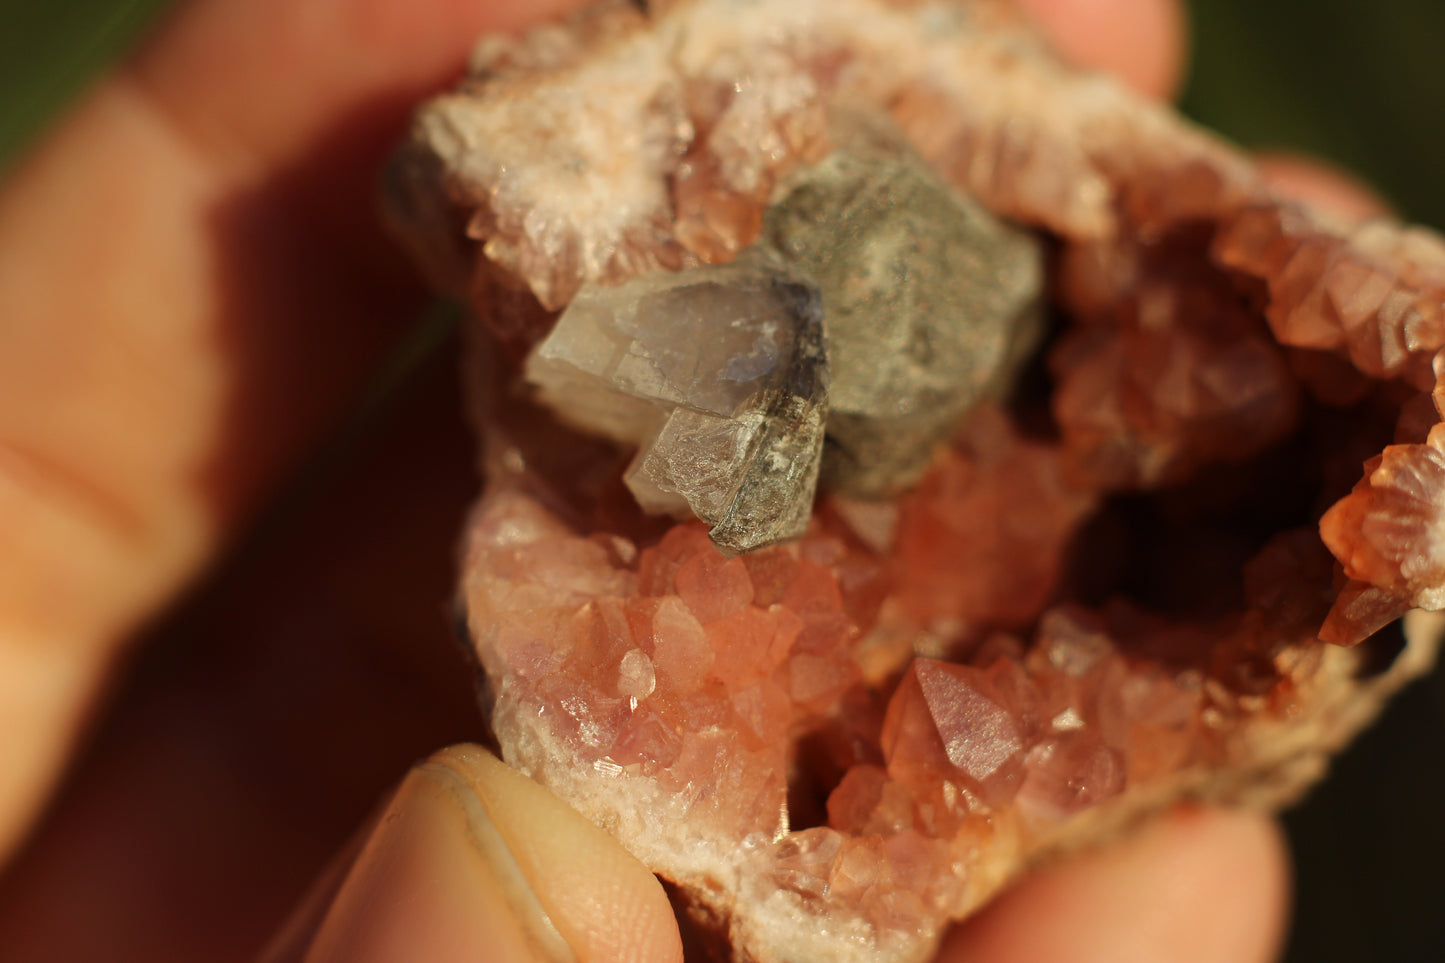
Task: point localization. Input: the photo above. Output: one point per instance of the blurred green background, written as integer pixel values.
(1363, 86)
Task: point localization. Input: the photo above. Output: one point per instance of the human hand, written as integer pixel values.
(192, 287)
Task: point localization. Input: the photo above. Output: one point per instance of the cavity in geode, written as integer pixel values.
(1042, 589)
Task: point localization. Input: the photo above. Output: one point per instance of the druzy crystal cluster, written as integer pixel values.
(908, 457)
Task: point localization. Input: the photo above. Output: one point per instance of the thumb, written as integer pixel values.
(471, 860)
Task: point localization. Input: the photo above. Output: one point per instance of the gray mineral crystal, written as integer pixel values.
(718, 374)
(931, 302)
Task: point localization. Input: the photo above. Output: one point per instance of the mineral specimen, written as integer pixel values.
(719, 373)
(1138, 574)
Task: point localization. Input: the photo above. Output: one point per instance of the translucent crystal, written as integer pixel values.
(1389, 535)
(718, 374)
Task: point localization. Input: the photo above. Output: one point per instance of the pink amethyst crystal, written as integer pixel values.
(1108, 592)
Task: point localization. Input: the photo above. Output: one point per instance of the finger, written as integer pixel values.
(472, 860)
(191, 287)
(1321, 184)
(1140, 41)
(1197, 887)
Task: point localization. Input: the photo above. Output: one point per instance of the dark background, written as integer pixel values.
(1362, 86)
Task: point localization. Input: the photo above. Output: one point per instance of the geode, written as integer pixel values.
(908, 457)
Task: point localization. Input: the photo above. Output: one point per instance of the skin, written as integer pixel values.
(193, 289)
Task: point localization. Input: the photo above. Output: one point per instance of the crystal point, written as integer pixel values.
(719, 374)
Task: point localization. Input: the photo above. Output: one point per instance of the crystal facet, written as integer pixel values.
(719, 373)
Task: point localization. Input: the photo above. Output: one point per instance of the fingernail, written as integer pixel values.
(608, 907)
(436, 880)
